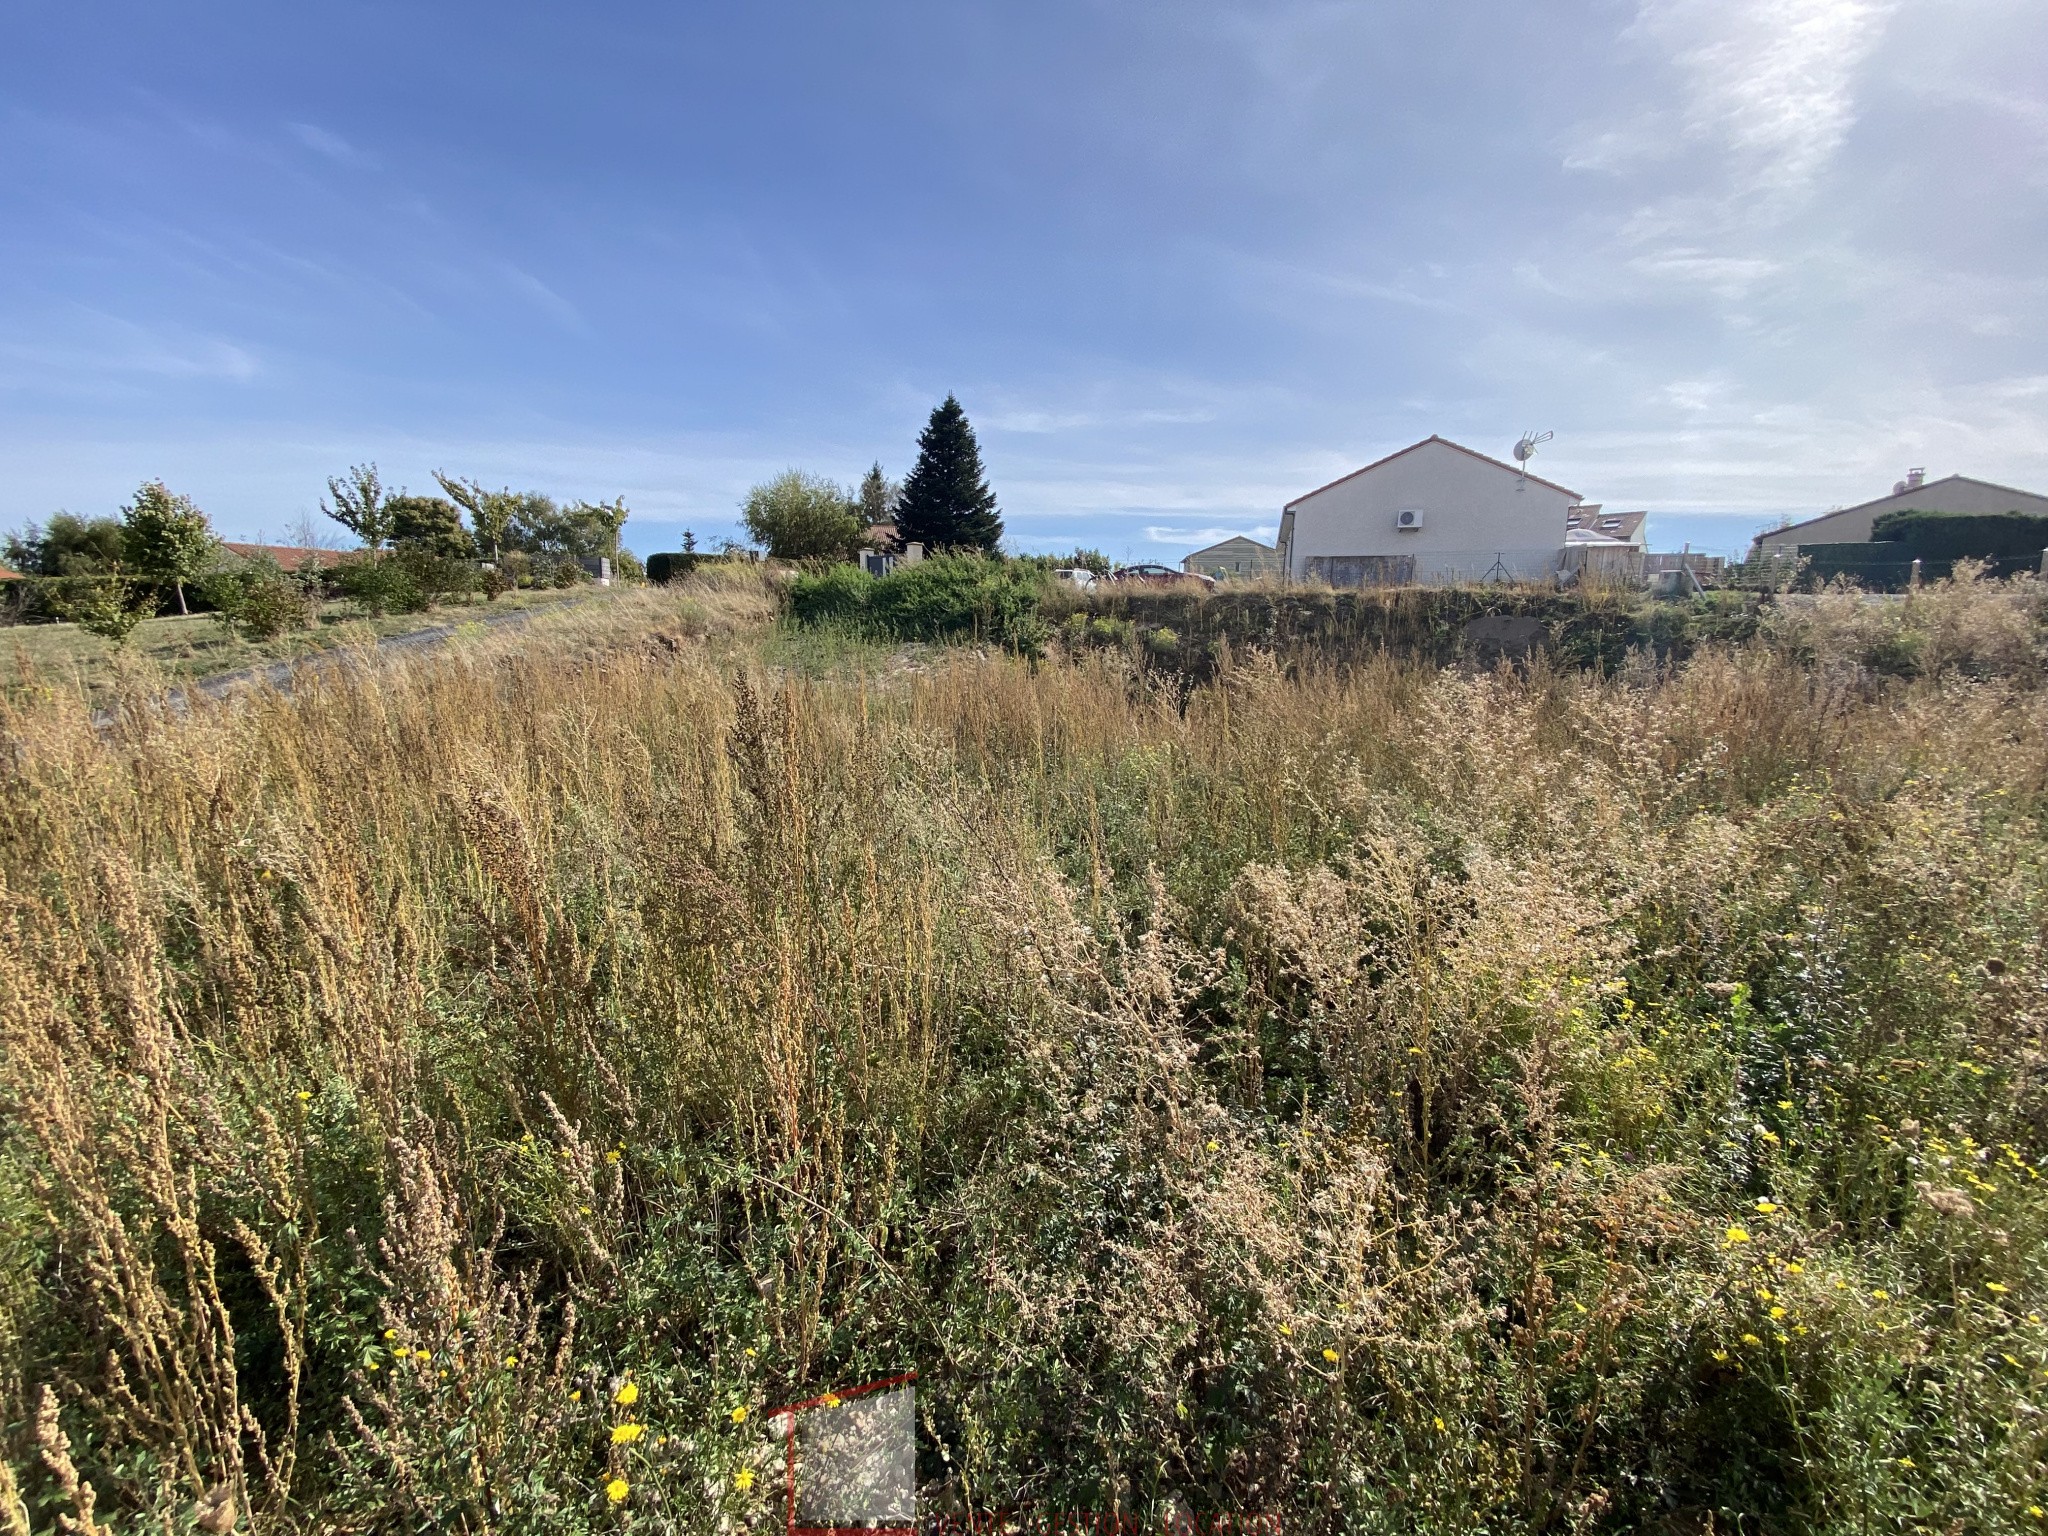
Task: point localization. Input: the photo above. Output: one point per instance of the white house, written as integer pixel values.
(1434, 512)
(1234, 557)
(1915, 493)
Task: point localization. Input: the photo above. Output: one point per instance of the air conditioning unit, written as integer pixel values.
(1408, 519)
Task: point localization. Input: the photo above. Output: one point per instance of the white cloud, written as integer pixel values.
(323, 141)
(85, 349)
(1202, 537)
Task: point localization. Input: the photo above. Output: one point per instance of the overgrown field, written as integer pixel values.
(467, 1095)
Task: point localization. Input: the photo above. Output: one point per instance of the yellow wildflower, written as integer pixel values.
(626, 1434)
(1994, 1287)
(617, 1489)
(576, 1396)
(1330, 1355)
(739, 1414)
(303, 1095)
(1751, 1340)
(1768, 1207)
(1721, 1355)
(1212, 1146)
(511, 1361)
(1438, 1422)
(831, 1399)
(627, 1395)
(1735, 1235)
(1776, 1313)
(1882, 1295)
(743, 1479)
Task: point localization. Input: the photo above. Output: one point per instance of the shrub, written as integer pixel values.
(950, 596)
(380, 584)
(107, 606)
(943, 598)
(258, 600)
(437, 576)
(837, 595)
(672, 567)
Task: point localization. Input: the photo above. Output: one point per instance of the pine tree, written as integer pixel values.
(876, 497)
(946, 502)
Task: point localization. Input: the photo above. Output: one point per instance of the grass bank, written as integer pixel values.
(466, 1095)
(181, 648)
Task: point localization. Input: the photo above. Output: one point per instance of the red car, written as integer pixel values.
(1161, 576)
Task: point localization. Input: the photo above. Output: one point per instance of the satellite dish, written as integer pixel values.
(1526, 448)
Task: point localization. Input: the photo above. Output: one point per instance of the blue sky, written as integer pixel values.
(1181, 261)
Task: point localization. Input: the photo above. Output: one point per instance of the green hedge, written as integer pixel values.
(2002, 536)
(671, 567)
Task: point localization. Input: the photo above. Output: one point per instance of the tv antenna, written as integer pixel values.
(1525, 450)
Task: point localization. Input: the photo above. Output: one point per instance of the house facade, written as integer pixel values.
(1233, 559)
(1433, 512)
(1853, 525)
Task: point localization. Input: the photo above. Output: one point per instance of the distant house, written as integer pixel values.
(7, 575)
(1591, 517)
(1434, 512)
(1915, 493)
(1236, 557)
(290, 556)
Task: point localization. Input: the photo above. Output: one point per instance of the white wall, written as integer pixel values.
(1474, 513)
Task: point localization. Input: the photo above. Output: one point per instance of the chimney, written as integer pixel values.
(1915, 478)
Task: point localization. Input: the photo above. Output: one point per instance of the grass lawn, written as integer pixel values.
(183, 648)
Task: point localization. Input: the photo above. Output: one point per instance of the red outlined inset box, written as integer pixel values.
(850, 1460)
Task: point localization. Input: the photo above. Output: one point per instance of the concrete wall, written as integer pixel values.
(1475, 514)
(1852, 525)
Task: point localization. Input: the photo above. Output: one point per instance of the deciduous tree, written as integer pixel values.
(360, 506)
(166, 539)
(797, 516)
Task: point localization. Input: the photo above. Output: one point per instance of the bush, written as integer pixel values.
(438, 576)
(380, 584)
(943, 598)
(106, 606)
(985, 597)
(259, 601)
(837, 595)
(672, 567)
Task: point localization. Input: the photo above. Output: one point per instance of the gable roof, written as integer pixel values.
(1615, 525)
(1513, 469)
(1926, 485)
(289, 556)
(7, 575)
(1234, 542)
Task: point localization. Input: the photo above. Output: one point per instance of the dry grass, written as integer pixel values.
(1402, 1099)
(181, 648)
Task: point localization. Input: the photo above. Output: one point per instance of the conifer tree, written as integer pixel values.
(946, 502)
(876, 498)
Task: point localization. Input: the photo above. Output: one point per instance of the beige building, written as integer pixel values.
(1434, 512)
(1235, 558)
(1915, 493)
